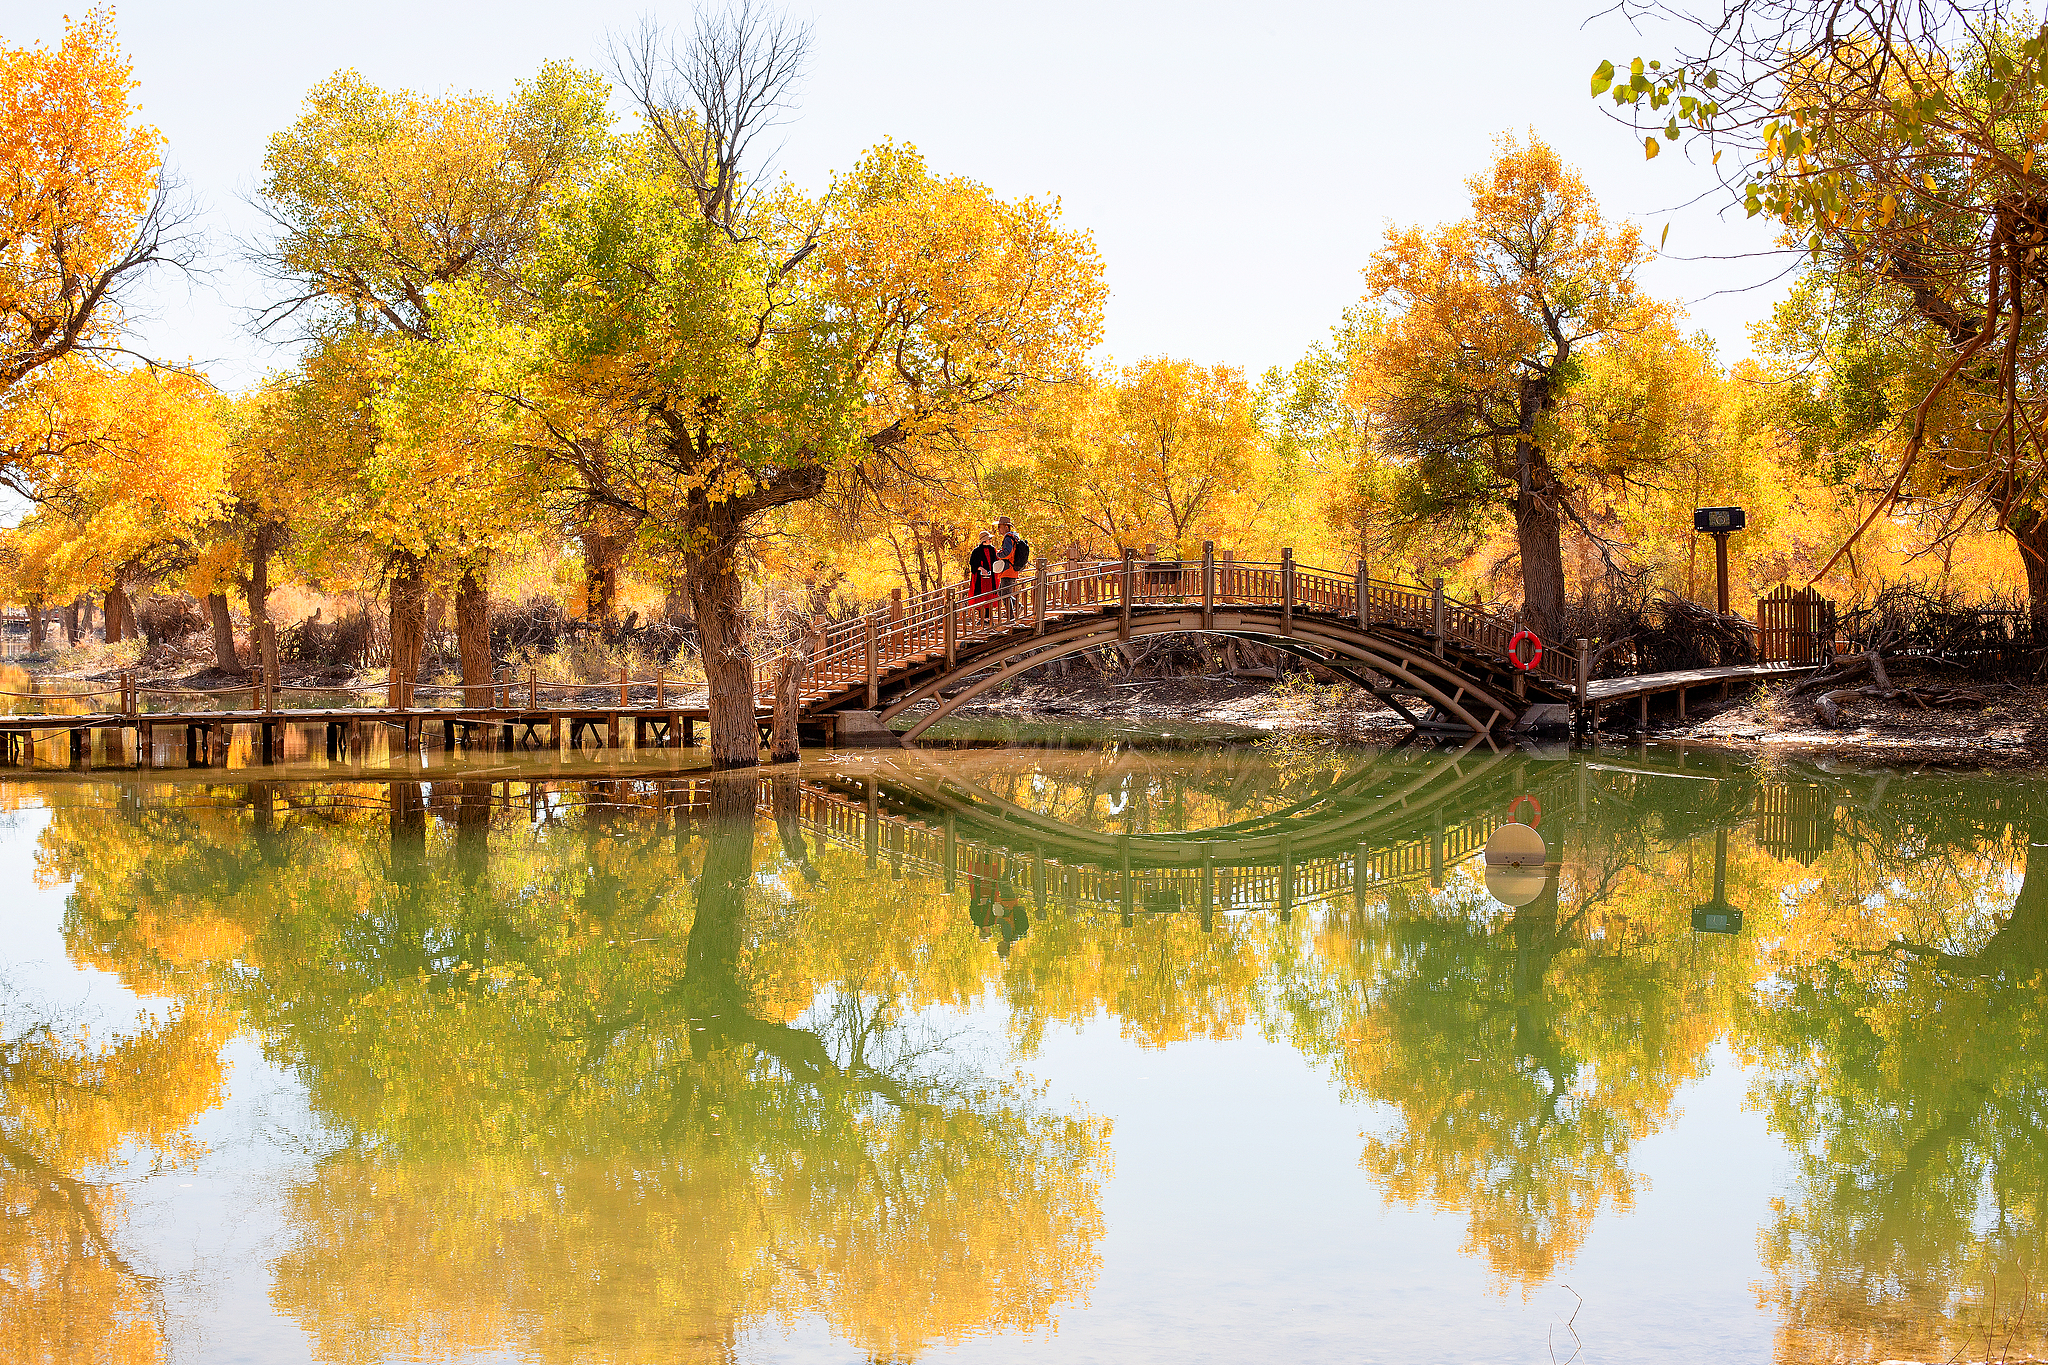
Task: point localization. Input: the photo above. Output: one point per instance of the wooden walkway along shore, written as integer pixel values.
(347, 730)
(1679, 685)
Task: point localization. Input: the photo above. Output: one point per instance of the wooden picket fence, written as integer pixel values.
(1794, 626)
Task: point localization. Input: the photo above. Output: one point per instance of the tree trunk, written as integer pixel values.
(716, 595)
(260, 549)
(73, 633)
(223, 633)
(35, 625)
(2029, 530)
(408, 576)
(784, 744)
(601, 556)
(116, 627)
(1538, 528)
(473, 632)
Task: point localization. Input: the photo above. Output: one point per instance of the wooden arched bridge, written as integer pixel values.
(1412, 648)
(1409, 648)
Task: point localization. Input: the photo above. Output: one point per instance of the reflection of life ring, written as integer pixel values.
(1525, 650)
(1535, 809)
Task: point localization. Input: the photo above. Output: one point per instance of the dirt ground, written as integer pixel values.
(1251, 703)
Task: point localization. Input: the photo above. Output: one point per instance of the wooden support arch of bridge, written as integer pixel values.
(1400, 643)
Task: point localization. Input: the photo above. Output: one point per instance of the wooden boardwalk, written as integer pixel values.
(348, 729)
(1679, 685)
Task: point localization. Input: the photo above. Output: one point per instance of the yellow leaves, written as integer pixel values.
(956, 295)
(79, 179)
(389, 196)
(121, 461)
(1650, 149)
(1165, 452)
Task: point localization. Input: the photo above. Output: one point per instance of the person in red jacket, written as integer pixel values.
(1009, 556)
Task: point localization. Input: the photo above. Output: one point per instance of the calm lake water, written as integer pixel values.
(1124, 1048)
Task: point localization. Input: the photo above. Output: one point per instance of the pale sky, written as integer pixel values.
(1237, 165)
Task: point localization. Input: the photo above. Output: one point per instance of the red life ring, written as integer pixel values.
(1535, 808)
(1525, 651)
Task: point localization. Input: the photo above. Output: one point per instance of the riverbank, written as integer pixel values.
(1934, 719)
(1916, 720)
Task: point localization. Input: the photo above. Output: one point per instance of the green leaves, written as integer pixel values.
(1603, 76)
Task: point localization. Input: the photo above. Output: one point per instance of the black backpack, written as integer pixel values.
(1023, 555)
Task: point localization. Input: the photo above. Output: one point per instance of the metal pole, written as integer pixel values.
(1721, 570)
(1584, 681)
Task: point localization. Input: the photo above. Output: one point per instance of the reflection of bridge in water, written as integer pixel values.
(1387, 822)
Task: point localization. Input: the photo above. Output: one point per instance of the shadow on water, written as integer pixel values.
(679, 1041)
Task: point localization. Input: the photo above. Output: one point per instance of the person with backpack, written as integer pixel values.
(1011, 556)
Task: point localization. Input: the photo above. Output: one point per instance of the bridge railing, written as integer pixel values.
(940, 624)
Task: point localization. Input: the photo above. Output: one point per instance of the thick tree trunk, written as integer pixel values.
(473, 632)
(1538, 533)
(35, 625)
(2029, 530)
(1538, 525)
(116, 626)
(716, 595)
(73, 632)
(224, 657)
(260, 550)
(784, 744)
(601, 556)
(408, 577)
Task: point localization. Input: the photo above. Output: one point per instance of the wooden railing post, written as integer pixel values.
(1364, 603)
(533, 689)
(1208, 585)
(1038, 600)
(1125, 591)
(895, 606)
(1582, 683)
(1287, 591)
(870, 646)
(950, 629)
(1436, 615)
(1229, 587)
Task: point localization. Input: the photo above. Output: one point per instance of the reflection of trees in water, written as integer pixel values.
(1522, 1053)
(1900, 1054)
(661, 1049)
(75, 1111)
(573, 1114)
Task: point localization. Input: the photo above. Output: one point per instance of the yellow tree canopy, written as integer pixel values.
(76, 217)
